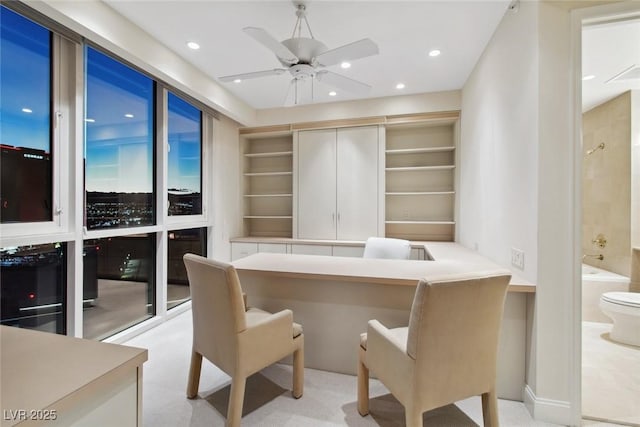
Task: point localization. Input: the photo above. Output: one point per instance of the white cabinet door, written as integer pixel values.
(317, 184)
(357, 179)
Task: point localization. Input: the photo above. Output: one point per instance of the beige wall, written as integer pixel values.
(606, 184)
(635, 172)
(227, 216)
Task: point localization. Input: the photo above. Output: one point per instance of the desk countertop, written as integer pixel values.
(448, 258)
(39, 370)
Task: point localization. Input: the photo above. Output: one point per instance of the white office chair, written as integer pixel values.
(383, 247)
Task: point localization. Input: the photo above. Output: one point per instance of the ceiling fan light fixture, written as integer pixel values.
(305, 57)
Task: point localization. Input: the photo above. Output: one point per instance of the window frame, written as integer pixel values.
(63, 105)
(176, 222)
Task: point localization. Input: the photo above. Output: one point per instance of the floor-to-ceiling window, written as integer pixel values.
(103, 181)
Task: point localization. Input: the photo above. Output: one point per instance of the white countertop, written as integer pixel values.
(450, 258)
(41, 370)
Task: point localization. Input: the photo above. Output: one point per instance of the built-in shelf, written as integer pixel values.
(268, 173)
(422, 222)
(420, 185)
(420, 193)
(420, 150)
(274, 154)
(268, 185)
(268, 217)
(420, 168)
(268, 195)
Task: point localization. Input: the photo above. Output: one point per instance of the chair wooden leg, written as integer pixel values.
(414, 417)
(298, 371)
(194, 375)
(490, 409)
(363, 385)
(236, 400)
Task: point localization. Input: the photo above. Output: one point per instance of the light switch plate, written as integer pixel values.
(517, 258)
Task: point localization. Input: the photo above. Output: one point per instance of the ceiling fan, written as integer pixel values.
(305, 57)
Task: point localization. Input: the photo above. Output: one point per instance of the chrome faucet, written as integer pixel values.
(598, 256)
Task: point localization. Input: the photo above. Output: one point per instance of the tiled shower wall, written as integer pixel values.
(606, 202)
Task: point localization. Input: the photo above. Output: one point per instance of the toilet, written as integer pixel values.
(624, 309)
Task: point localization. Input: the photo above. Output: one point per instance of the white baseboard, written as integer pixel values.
(547, 410)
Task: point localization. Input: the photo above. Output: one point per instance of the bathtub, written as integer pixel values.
(595, 282)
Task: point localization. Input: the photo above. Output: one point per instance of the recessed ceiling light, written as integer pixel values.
(90, 120)
(333, 93)
(589, 77)
(237, 80)
(400, 86)
(129, 116)
(346, 64)
(193, 45)
(434, 52)
(27, 110)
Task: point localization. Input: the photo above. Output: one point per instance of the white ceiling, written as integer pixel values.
(607, 50)
(404, 30)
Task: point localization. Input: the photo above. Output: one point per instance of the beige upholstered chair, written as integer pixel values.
(447, 353)
(385, 247)
(237, 341)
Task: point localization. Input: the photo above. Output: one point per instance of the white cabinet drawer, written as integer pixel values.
(350, 251)
(273, 248)
(241, 250)
(311, 249)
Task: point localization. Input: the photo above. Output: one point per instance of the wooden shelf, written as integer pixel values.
(420, 150)
(421, 222)
(273, 154)
(420, 185)
(420, 168)
(268, 217)
(268, 195)
(268, 173)
(267, 184)
(420, 193)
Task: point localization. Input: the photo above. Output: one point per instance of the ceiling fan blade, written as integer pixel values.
(348, 52)
(271, 43)
(342, 82)
(254, 75)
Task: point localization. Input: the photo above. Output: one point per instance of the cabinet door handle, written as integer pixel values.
(333, 218)
(338, 216)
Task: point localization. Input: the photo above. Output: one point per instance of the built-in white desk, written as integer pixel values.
(54, 380)
(334, 298)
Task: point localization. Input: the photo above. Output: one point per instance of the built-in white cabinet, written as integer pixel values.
(245, 246)
(338, 183)
(347, 180)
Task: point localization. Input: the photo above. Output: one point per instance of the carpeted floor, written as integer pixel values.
(329, 399)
